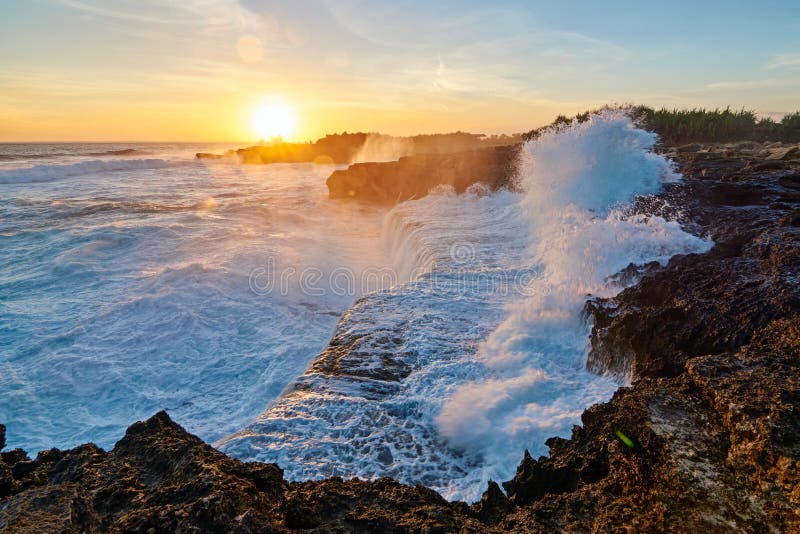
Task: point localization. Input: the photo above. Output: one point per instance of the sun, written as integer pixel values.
(275, 119)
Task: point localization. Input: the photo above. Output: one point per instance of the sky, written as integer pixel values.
(196, 70)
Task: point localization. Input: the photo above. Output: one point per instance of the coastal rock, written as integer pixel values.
(414, 176)
(713, 449)
(783, 153)
(710, 303)
(494, 505)
(160, 478)
(207, 155)
(346, 148)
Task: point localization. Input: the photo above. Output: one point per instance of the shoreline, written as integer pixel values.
(705, 437)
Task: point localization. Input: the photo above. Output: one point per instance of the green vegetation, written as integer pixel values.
(699, 124)
(717, 125)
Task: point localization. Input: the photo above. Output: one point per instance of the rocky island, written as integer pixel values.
(705, 437)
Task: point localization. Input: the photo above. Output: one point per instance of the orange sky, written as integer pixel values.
(196, 70)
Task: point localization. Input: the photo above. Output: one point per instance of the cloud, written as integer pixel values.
(782, 61)
(115, 13)
(205, 13)
(588, 45)
(752, 84)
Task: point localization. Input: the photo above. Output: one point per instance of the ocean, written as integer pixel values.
(433, 341)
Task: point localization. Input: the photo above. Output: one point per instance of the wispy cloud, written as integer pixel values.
(115, 13)
(752, 84)
(611, 51)
(782, 61)
(211, 13)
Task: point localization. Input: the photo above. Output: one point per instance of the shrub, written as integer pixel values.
(698, 124)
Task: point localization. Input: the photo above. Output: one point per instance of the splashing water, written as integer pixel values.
(576, 182)
(445, 379)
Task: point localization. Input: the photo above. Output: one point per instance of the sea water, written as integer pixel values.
(129, 283)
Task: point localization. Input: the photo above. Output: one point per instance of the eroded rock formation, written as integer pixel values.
(414, 176)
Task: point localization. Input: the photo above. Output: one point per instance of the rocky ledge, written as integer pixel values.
(413, 176)
(706, 437)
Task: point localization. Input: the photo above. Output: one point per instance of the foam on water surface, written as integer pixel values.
(127, 288)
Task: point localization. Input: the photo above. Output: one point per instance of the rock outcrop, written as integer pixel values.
(414, 176)
(159, 478)
(705, 438)
(348, 148)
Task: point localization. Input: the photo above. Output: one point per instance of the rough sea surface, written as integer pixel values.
(130, 282)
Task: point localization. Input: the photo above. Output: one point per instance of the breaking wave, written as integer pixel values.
(480, 354)
(49, 173)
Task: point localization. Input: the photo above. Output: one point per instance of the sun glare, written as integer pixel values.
(274, 120)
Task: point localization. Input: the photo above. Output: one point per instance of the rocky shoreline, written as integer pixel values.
(706, 437)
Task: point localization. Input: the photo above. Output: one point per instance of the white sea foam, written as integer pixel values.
(128, 292)
(575, 182)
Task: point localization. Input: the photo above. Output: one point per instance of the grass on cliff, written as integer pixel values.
(699, 124)
(717, 125)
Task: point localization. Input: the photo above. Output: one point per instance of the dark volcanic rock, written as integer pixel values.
(710, 303)
(159, 478)
(706, 437)
(414, 176)
(712, 449)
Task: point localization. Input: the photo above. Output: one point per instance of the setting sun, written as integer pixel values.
(275, 119)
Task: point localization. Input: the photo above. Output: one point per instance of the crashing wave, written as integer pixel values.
(445, 379)
(49, 173)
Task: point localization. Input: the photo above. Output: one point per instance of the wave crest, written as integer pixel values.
(575, 180)
(50, 173)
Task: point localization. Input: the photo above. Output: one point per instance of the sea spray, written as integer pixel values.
(575, 181)
(479, 353)
(377, 148)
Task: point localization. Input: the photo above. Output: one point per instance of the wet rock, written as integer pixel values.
(767, 166)
(494, 505)
(692, 147)
(385, 455)
(783, 153)
(712, 449)
(710, 303)
(414, 176)
(792, 181)
(208, 155)
(160, 478)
